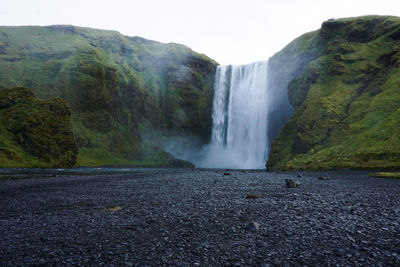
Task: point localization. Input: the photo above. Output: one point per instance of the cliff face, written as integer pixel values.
(118, 87)
(344, 84)
(35, 132)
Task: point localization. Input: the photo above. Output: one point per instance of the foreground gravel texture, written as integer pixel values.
(200, 218)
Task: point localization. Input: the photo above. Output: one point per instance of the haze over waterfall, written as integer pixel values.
(240, 117)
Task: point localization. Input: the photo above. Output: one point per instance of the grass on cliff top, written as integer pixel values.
(42, 58)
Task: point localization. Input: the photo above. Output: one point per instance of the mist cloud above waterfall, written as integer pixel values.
(229, 31)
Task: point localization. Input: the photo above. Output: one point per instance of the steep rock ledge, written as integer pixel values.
(345, 92)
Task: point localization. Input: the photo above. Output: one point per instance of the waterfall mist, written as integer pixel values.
(250, 107)
(240, 118)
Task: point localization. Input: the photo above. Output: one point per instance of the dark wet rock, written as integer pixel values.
(227, 173)
(299, 176)
(252, 196)
(252, 226)
(289, 183)
(323, 178)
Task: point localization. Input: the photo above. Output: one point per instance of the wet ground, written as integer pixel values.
(197, 217)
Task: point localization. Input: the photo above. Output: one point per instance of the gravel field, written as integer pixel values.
(195, 217)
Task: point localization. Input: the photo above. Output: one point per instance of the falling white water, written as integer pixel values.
(240, 118)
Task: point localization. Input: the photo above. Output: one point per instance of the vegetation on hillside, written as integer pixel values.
(118, 87)
(345, 90)
(35, 132)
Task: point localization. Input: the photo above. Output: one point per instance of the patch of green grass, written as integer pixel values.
(385, 175)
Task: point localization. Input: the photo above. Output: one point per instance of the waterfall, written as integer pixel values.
(240, 117)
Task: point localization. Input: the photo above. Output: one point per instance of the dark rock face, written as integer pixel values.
(38, 128)
(343, 84)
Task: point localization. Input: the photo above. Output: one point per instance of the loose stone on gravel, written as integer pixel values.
(253, 226)
(289, 183)
(114, 209)
(252, 196)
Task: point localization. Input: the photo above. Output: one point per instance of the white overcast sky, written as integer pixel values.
(229, 31)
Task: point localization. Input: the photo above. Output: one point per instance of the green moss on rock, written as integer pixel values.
(36, 133)
(348, 116)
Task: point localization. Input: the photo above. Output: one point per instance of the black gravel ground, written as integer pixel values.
(200, 218)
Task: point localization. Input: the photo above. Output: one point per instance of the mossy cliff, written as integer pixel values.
(344, 84)
(118, 87)
(35, 132)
